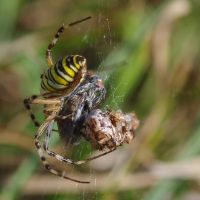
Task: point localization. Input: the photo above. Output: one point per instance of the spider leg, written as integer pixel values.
(48, 125)
(52, 44)
(56, 37)
(74, 162)
(63, 159)
(52, 153)
(27, 104)
(63, 117)
(36, 99)
(66, 160)
(45, 101)
(94, 157)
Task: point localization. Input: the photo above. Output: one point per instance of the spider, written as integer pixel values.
(70, 96)
(109, 129)
(57, 82)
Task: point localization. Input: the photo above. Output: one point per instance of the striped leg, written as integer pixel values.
(61, 158)
(67, 160)
(56, 37)
(51, 153)
(73, 162)
(47, 125)
(27, 104)
(36, 99)
(62, 117)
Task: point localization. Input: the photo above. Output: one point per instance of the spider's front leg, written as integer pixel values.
(52, 44)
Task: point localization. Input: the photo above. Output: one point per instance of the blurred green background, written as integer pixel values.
(148, 54)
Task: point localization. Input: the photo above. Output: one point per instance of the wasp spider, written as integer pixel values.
(57, 82)
(71, 96)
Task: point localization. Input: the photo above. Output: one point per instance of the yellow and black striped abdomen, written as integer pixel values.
(65, 75)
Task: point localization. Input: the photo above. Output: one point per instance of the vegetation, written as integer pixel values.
(147, 53)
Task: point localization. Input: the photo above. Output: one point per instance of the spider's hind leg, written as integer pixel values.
(37, 99)
(51, 169)
(47, 125)
(67, 160)
(27, 104)
(52, 153)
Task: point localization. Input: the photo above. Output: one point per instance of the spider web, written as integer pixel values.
(103, 45)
